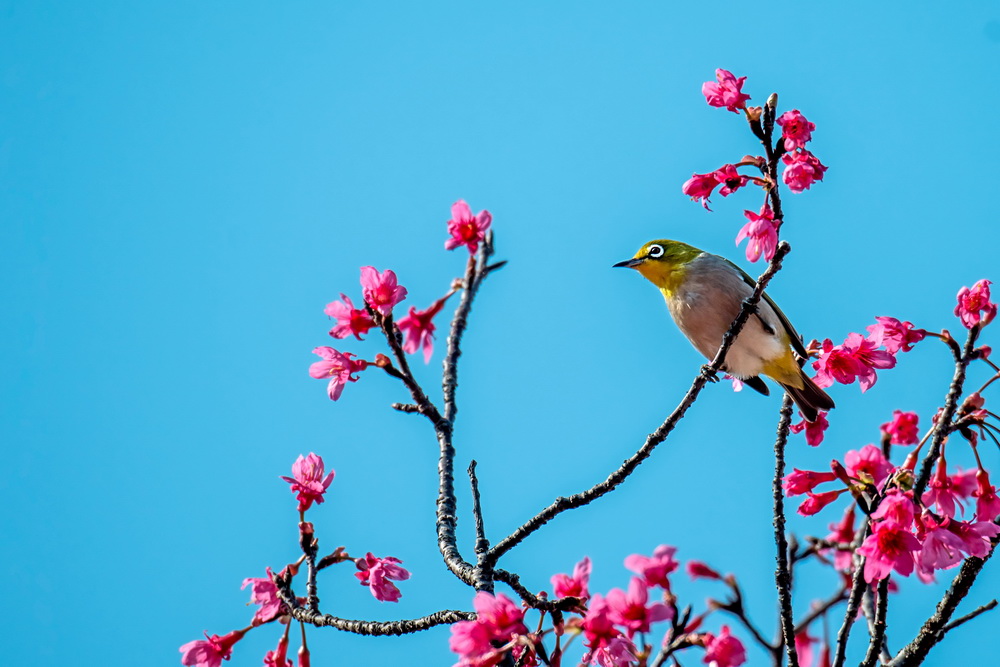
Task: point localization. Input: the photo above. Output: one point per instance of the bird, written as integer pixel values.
(704, 293)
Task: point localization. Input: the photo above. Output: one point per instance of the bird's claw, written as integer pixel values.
(709, 373)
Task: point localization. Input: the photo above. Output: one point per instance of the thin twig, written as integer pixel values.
(482, 575)
(971, 615)
(876, 646)
(562, 504)
(532, 600)
(782, 574)
(821, 609)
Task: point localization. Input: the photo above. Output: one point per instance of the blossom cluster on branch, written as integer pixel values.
(915, 515)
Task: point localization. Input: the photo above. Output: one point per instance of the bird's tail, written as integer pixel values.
(810, 398)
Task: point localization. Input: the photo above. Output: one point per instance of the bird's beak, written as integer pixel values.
(630, 263)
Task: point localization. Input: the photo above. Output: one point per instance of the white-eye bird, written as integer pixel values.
(704, 293)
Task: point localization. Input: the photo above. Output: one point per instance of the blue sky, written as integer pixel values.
(184, 186)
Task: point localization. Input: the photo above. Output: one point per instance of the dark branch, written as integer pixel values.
(562, 504)
(482, 575)
(532, 600)
(782, 573)
(876, 646)
(942, 428)
(935, 627)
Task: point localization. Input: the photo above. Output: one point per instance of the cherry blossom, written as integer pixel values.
(308, 480)
(724, 650)
(382, 291)
(264, 592)
(974, 305)
(814, 429)
(211, 651)
(902, 430)
(467, 229)
(726, 91)
(351, 321)
(802, 169)
(630, 610)
(795, 129)
(762, 233)
(378, 573)
(573, 586)
(418, 328)
(894, 335)
(340, 367)
(891, 546)
(654, 570)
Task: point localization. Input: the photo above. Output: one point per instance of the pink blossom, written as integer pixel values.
(630, 611)
(728, 92)
(351, 321)
(699, 188)
(814, 429)
(804, 647)
(975, 536)
(264, 592)
(376, 573)
(698, 570)
(338, 366)
(381, 291)
(817, 501)
(308, 481)
(795, 129)
(467, 229)
(762, 232)
(894, 335)
(730, 179)
(803, 481)
(843, 533)
(941, 491)
(498, 620)
(618, 652)
(889, 547)
(987, 502)
(654, 570)
(940, 549)
(902, 430)
(897, 507)
(418, 328)
(210, 653)
(964, 482)
(802, 169)
(605, 644)
(277, 657)
(856, 357)
(974, 305)
(724, 650)
(869, 465)
(576, 586)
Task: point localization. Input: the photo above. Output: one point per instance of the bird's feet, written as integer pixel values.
(709, 373)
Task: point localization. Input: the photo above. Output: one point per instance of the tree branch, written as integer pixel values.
(876, 646)
(936, 626)
(782, 574)
(562, 504)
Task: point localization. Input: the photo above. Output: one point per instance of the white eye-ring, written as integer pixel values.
(655, 251)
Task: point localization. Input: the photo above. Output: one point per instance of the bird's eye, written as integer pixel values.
(655, 251)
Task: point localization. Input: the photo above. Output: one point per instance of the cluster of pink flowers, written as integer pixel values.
(859, 356)
(700, 186)
(802, 168)
(381, 292)
(612, 621)
(907, 534)
(499, 628)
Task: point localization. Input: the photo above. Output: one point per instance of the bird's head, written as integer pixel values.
(662, 262)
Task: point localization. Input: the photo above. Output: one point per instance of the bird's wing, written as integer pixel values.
(797, 345)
